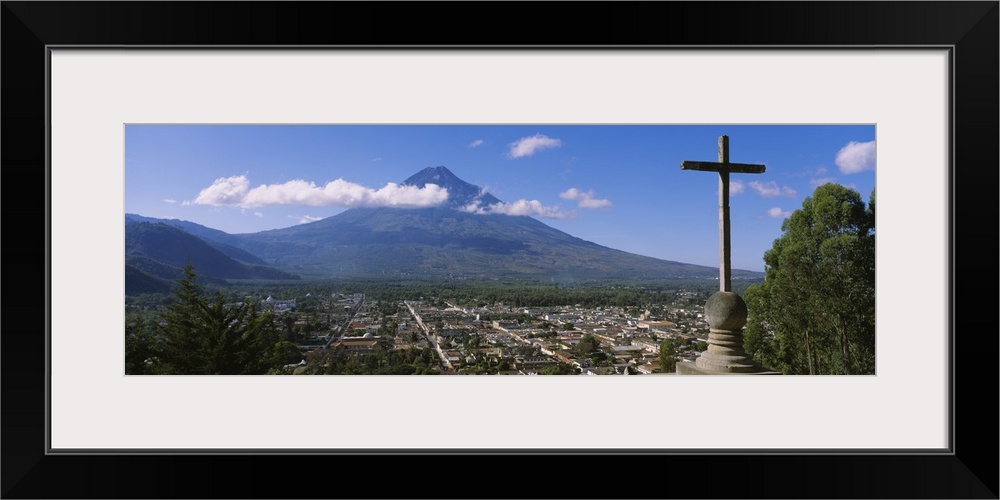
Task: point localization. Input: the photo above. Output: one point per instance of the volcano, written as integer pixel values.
(460, 193)
(449, 241)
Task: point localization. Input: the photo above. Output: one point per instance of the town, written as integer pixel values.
(478, 339)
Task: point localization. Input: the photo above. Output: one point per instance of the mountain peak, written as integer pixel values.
(460, 193)
(439, 175)
(439, 171)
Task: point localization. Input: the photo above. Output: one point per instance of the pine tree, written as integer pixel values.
(183, 326)
(208, 337)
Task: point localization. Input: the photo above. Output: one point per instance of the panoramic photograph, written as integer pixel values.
(578, 249)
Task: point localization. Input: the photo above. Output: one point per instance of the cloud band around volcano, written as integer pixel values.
(518, 208)
(235, 191)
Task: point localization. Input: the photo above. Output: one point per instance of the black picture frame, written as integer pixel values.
(969, 28)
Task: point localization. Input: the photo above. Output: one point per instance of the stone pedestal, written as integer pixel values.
(726, 314)
(690, 368)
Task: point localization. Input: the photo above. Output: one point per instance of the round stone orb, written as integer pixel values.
(726, 311)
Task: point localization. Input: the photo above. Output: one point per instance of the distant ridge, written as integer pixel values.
(156, 251)
(219, 240)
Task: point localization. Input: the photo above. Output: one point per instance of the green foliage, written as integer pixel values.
(588, 345)
(379, 361)
(814, 313)
(560, 369)
(641, 294)
(142, 346)
(471, 342)
(544, 335)
(668, 355)
(197, 335)
(286, 353)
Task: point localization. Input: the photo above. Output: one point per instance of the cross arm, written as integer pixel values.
(738, 168)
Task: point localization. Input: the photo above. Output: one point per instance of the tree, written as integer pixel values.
(472, 341)
(142, 347)
(208, 336)
(289, 323)
(388, 328)
(668, 356)
(560, 369)
(587, 345)
(814, 313)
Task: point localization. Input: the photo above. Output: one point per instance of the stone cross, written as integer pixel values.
(724, 168)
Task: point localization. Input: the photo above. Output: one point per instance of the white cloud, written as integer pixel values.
(474, 208)
(594, 203)
(224, 191)
(476, 143)
(585, 199)
(528, 207)
(258, 214)
(304, 218)
(778, 213)
(168, 200)
(394, 195)
(771, 189)
(519, 207)
(856, 157)
(234, 191)
(377, 159)
(736, 187)
(820, 170)
(571, 194)
(527, 146)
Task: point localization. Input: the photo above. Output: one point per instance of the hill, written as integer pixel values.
(159, 250)
(218, 240)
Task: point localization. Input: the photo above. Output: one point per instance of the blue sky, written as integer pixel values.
(620, 186)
